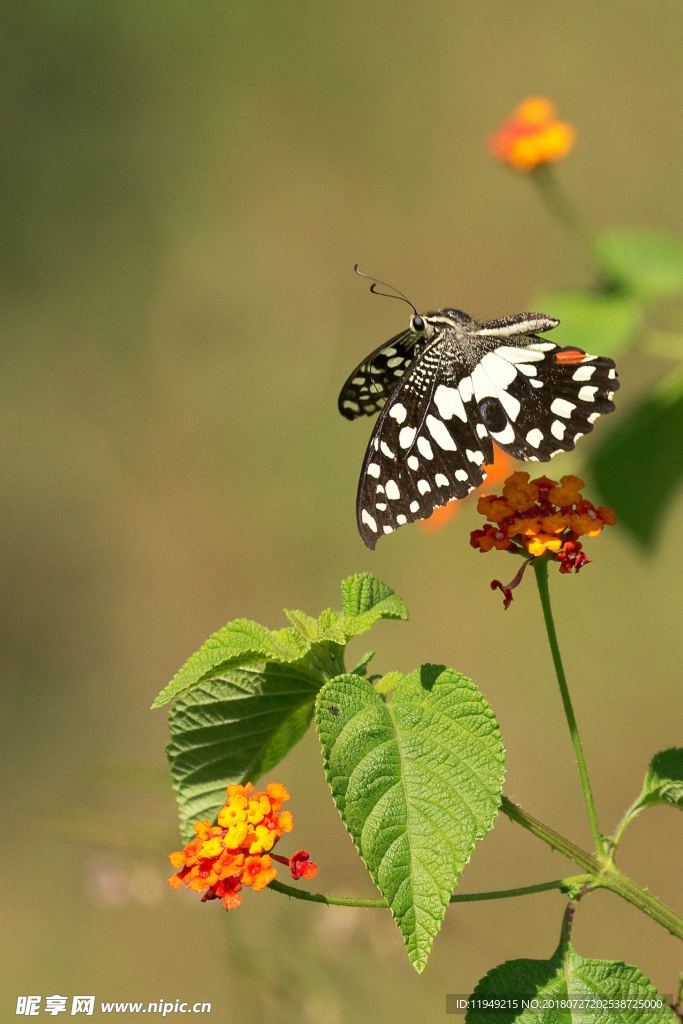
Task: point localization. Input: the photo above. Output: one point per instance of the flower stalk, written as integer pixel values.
(563, 210)
(562, 884)
(541, 572)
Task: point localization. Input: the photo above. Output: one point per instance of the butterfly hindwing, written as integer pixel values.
(540, 398)
(373, 380)
(428, 448)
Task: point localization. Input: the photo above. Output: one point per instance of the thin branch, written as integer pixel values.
(563, 884)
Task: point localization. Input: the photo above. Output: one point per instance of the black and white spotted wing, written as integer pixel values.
(549, 396)
(373, 380)
(428, 448)
(471, 384)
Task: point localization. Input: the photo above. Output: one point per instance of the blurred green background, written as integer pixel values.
(185, 189)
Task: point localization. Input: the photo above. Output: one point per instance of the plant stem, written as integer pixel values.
(604, 875)
(541, 571)
(598, 876)
(563, 884)
(614, 880)
(548, 835)
(565, 212)
(632, 813)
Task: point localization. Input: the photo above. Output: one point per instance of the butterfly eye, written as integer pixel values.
(417, 324)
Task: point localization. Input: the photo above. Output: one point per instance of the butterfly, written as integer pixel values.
(446, 388)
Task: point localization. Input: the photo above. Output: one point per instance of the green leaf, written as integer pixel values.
(386, 683)
(365, 600)
(638, 466)
(361, 666)
(241, 642)
(567, 976)
(645, 263)
(327, 628)
(600, 324)
(234, 727)
(417, 782)
(664, 780)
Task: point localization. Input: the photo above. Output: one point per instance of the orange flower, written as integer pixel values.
(234, 852)
(567, 492)
(493, 508)
(519, 492)
(495, 471)
(258, 872)
(531, 136)
(544, 519)
(556, 522)
(488, 538)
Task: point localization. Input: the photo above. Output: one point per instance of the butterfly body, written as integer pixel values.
(446, 389)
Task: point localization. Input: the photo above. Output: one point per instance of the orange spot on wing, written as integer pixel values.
(570, 356)
(496, 471)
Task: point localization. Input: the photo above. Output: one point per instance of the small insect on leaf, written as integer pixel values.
(449, 386)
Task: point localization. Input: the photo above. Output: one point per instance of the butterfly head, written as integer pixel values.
(429, 324)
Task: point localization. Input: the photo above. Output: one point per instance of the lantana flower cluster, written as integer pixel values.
(235, 852)
(537, 518)
(531, 136)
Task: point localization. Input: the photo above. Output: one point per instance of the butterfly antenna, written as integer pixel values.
(385, 284)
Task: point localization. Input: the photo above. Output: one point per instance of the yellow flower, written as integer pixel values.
(212, 848)
(541, 543)
(257, 810)
(264, 839)
(236, 834)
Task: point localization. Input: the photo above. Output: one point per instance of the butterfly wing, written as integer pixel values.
(428, 447)
(540, 398)
(373, 380)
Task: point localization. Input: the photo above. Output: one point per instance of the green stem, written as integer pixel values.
(632, 813)
(563, 884)
(565, 212)
(597, 876)
(541, 571)
(604, 875)
(548, 835)
(612, 879)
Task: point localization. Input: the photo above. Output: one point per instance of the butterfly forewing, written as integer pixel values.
(428, 448)
(373, 380)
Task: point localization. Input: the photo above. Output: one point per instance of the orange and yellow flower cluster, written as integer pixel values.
(540, 517)
(532, 136)
(235, 852)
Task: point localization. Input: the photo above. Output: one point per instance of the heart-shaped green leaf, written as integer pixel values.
(596, 990)
(417, 781)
